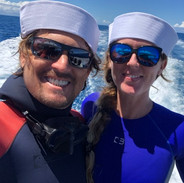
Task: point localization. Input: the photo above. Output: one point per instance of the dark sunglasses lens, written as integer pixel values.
(79, 58)
(51, 50)
(148, 55)
(46, 49)
(120, 53)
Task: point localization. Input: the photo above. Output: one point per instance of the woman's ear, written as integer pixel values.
(162, 66)
(109, 65)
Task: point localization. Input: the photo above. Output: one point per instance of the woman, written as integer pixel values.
(131, 138)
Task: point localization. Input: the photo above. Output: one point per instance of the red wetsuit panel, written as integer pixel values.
(11, 121)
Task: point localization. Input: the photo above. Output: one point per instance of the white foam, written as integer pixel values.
(8, 58)
(170, 95)
(180, 43)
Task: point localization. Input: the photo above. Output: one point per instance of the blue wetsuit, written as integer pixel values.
(29, 160)
(140, 150)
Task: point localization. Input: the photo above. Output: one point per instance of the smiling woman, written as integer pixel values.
(129, 133)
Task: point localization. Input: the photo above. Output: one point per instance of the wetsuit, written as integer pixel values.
(29, 159)
(139, 150)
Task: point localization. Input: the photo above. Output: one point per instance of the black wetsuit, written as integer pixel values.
(29, 159)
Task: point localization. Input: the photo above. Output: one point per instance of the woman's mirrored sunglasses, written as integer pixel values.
(146, 55)
(52, 50)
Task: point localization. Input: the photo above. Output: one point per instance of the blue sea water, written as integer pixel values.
(9, 27)
(170, 95)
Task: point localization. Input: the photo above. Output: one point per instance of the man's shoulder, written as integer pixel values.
(75, 113)
(11, 121)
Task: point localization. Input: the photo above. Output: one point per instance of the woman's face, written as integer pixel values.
(132, 78)
(55, 84)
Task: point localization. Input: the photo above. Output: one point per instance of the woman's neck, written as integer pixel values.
(133, 107)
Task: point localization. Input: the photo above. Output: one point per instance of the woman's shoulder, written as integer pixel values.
(168, 121)
(171, 124)
(166, 113)
(92, 97)
(88, 106)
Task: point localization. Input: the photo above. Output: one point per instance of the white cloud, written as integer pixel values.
(10, 8)
(106, 22)
(179, 25)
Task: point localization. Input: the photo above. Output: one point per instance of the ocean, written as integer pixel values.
(170, 95)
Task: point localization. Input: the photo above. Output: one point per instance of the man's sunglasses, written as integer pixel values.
(146, 55)
(52, 50)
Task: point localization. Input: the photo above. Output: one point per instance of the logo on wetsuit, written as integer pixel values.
(119, 140)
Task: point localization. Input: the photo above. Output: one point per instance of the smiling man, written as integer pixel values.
(41, 138)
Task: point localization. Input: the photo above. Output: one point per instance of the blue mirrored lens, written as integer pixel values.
(120, 53)
(146, 55)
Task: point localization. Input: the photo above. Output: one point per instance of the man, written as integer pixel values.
(41, 138)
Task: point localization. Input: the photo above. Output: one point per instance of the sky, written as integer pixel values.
(104, 11)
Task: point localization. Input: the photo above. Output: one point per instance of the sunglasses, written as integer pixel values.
(52, 50)
(146, 55)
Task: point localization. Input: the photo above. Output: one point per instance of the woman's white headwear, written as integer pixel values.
(143, 26)
(59, 16)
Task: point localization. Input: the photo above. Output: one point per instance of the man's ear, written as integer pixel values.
(22, 58)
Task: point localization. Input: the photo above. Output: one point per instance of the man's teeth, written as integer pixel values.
(57, 82)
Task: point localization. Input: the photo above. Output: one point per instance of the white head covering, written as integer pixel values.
(59, 16)
(143, 26)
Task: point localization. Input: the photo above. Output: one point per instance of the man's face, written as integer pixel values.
(55, 83)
